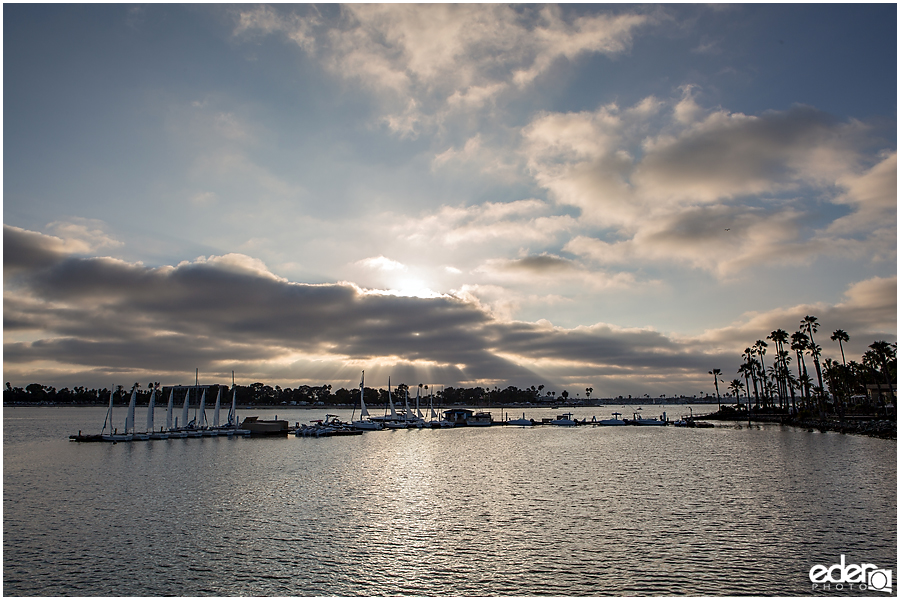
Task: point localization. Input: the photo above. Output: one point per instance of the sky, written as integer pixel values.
(621, 197)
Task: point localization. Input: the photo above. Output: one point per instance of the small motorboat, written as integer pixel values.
(523, 422)
(564, 420)
(257, 426)
(611, 422)
(639, 420)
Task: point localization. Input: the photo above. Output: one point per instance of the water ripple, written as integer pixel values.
(479, 512)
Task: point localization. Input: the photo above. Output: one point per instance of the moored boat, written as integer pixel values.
(611, 422)
(365, 421)
(523, 422)
(639, 420)
(564, 420)
(260, 427)
(480, 419)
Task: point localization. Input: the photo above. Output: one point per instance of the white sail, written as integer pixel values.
(150, 408)
(418, 412)
(406, 405)
(169, 409)
(363, 411)
(393, 410)
(431, 405)
(129, 418)
(184, 409)
(109, 415)
(218, 406)
(202, 417)
(232, 417)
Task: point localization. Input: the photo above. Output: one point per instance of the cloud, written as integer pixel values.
(381, 263)
(428, 61)
(70, 320)
(872, 194)
(34, 250)
(519, 221)
(671, 182)
(868, 312)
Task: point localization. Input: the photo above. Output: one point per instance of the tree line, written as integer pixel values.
(811, 384)
(261, 394)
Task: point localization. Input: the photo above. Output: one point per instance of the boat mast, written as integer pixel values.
(406, 405)
(232, 417)
(186, 407)
(391, 401)
(129, 417)
(150, 408)
(169, 409)
(218, 406)
(197, 386)
(202, 413)
(108, 414)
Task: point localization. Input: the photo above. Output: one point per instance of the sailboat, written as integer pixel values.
(180, 432)
(193, 429)
(114, 435)
(174, 430)
(394, 422)
(129, 418)
(417, 419)
(231, 428)
(214, 430)
(433, 418)
(442, 422)
(154, 435)
(169, 409)
(365, 421)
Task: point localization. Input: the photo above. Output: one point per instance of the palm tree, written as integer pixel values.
(882, 354)
(787, 379)
(840, 336)
(760, 349)
(715, 373)
(744, 370)
(811, 325)
(799, 343)
(736, 386)
(780, 337)
(750, 366)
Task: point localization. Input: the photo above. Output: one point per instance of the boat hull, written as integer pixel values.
(260, 427)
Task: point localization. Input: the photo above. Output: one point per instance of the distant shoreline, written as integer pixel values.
(868, 425)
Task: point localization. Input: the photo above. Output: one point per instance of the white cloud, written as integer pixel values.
(427, 60)
(873, 196)
(550, 272)
(515, 223)
(82, 236)
(868, 313)
(714, 190)
(380, 263)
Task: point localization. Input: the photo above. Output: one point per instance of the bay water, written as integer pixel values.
(549, 511)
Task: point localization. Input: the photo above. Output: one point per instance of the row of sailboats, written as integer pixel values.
(395, 420)
(193, 428)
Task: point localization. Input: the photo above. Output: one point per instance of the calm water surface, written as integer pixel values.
(475, 511)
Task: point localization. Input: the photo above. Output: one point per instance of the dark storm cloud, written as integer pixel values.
(110, 316)
(28, 250)
(598, 346)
